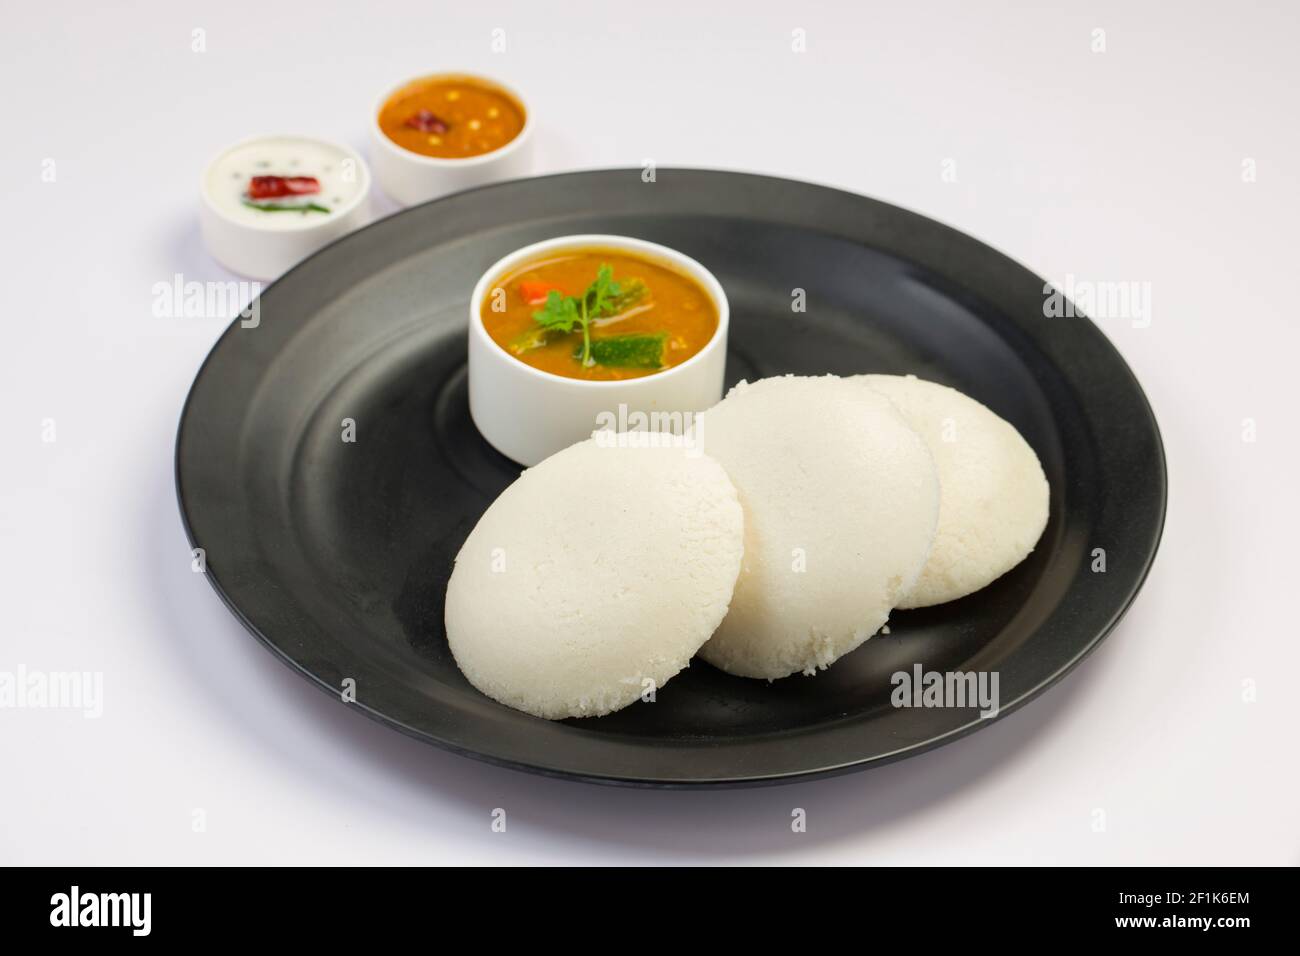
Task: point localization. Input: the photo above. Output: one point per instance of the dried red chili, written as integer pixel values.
(426, 122)
(273, 187)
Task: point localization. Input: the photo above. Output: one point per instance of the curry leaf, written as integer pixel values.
(285, 207)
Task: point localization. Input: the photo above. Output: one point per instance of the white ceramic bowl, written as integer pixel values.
(412, 178)
(267, 249)
(527, 414)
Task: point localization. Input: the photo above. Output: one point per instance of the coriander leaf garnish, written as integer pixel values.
(601, 293)
(560, 312)
(603, 298)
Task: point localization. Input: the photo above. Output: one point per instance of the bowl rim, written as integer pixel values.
(669, 257)
(451, 162)
(363, 192)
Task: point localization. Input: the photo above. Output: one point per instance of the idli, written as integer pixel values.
(595, 577)
(993, 493)
(841, 501)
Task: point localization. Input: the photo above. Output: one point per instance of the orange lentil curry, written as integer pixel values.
(451, 117)
(599, 315)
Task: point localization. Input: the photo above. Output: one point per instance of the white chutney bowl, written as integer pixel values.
(266, 245)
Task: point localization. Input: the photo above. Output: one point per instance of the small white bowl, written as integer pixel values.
(527, 414)
(412, 178)
(265, 245)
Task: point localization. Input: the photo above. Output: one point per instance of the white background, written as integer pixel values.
(1114, 166)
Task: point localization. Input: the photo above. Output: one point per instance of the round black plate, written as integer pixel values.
(336, 554)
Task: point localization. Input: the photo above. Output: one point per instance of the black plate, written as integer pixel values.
(336, 555)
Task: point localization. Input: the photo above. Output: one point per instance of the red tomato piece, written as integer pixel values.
(535, 291)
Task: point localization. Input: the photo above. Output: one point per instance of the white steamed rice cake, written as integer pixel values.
(841, 501)
(595, 578)
(993, 493)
